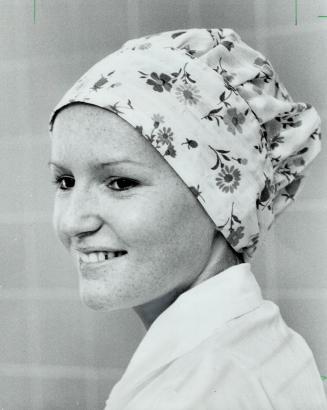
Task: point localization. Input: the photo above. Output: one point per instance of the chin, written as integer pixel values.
(96, 299)
(91, 302)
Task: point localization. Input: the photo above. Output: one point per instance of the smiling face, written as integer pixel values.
(115, 191)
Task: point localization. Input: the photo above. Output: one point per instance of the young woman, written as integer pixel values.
(172, 156)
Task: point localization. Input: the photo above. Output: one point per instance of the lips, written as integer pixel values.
(92, 265)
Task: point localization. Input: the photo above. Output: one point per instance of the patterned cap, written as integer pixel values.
(216, 111)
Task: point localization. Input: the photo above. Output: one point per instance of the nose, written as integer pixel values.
(79, 213)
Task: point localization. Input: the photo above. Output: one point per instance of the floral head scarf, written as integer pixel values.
(215, 109)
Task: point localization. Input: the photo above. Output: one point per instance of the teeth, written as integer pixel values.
(94, 257)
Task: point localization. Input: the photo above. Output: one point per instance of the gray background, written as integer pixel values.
(54, 352)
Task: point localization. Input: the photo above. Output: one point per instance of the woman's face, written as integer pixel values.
(115, 192)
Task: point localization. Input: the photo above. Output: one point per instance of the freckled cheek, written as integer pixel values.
(149, 225)
(57, 223)
(137, 225)
(56, 218)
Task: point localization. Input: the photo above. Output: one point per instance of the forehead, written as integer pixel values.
(90, 131)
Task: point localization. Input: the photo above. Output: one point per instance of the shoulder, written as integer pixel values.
(253, 361)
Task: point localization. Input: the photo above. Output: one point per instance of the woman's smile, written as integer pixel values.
(99, 256)
(95, 264)
(92, 258)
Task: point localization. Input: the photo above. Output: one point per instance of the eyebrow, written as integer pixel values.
(104, 164)
(108, 164)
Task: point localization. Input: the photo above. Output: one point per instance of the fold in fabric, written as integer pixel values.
(216, 111)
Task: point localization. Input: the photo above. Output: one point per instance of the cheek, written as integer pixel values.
(56, 217)
(146, 221)
(168, 229)
(56, 222)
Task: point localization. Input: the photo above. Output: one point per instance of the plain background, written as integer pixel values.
(54, 352)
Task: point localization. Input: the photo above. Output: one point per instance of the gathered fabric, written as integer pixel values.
(216, 111)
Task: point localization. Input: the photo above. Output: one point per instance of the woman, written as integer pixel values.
(172, 157)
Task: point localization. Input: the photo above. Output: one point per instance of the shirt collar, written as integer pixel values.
(193, 317)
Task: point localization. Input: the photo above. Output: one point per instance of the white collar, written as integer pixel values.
(193, 317)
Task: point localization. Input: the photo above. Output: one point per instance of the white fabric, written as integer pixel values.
(216, 111)
(220, 345)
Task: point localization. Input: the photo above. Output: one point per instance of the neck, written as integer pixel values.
(221, 258)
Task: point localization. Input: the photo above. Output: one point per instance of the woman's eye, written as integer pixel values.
(64, 182)
(122, 184)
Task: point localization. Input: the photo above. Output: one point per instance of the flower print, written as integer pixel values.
(280, 91)
(98, 84)
(260, 61)
(196, 191)
(190, 143)
(252, 246)
(228, 179)
(215, 113)
(289, 119)
(266, 69)
(235, 236)
(139, 128)
(233, 120)
(300, 107)
(188, 50)
(165, 136)
(298, 162)
(113, 85)
(258, 84)
(266, 66)
(292, 188)
(160, 82)
(188, 94)
(228, 77)
(219, 38)
(157, 120)
(170, 151)
(266, 194)
(273, 127)
(145, 46)
(265, 76)
(177, 33)
(114, 108)
(275, 141)
(221, 154)
(316, 133)
(183, 75)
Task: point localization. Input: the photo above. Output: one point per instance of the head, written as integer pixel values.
(198, 104)
(138, 205)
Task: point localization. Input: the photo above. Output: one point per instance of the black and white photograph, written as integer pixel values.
(163, 205)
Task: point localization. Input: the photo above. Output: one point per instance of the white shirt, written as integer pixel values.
(220, 345)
